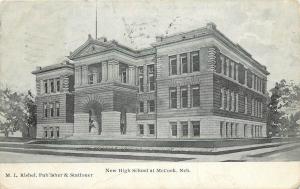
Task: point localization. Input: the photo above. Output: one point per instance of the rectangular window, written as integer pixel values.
(195, 96)
(196, 128)
(141, 70)
(173, 98)
(141, 84)
(124, 77)
(141, 129)
(222, 98)
(236, 129)
(227, 130)
(57, 106)
(173, 65)
(57, 85)
(151, 82)
(51, 110)
(57, 132)
(151, 129)
(252, 130)
(230, 69)
(46, 86)
(185, 129)
(151, 106)
(231, 129)
(141, 107)
(45, 110)
(173, 129)
(245, 129)
(183, 61)
(195, 61)
(52, 86)
(184, 97)
(51, 132)
(91, 78)
(45, 132)
(222, 134)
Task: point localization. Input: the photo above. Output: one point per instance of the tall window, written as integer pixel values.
(151, 106)
(227, 129)
(222, 98)
(141, 79)
(195, 61)
(173, 65)
(222, 128)
(57, 132)
(245, 129)
(174, 129)
(45, 110)
(173, 98)
(141, 107)
(237, 102)
(151, 129)
(236, 130)
(46, 86)
(45, 132)
(185, 129)
(195, 96)
(124, 76)
(196, 128)
(231, 129)
(52, 86)
(51, 132)
(183, 61)
(57, 108)
(51, 110)
(141, 84)
(184, 97)
(151, 77)
(57, 85)
(91, 78)
(141, 129)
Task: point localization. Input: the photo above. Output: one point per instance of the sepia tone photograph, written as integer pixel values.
(88, 82)
(98, 81)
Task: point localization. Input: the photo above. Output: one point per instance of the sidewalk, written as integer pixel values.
(237, 153)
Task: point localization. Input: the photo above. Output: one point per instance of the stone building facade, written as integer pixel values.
(192, 85)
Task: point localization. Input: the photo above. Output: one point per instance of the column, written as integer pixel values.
(222, 64)
(84, 74)
(178, 64)
(227, 64)
(246, 76)
(189, 62)
(178, 96)
(237, 103)
(49, 86)
(117, 70)
(232, 101)
(237, 72)
(178, 129)
(104, 71)
(232, 69)
(228, 100)
(253, 81)
(189, 129)
(131, 75)
(109, 71)
(189, 95)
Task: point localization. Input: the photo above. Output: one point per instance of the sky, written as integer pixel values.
(41, 33)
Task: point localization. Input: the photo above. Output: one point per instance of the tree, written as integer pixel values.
(30, 116)
(284, 101)
(17, 112)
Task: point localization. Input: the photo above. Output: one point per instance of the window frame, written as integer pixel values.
(195, 87)
(182, 64)
(150, 105)
(141, 105)
(194, 125)
(174, 132)
(150, 129)
(173, 90)
(185, 127)
(182, 98)
(195, 54)
(171, 66)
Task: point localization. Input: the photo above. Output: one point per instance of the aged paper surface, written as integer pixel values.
(42, 33)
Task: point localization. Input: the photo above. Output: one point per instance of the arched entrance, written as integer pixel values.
(94, 109)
